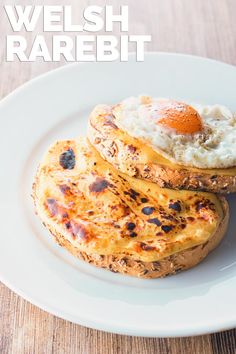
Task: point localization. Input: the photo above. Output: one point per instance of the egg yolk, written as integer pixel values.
(179, 116)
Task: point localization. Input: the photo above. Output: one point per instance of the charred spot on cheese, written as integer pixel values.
(133, 234)
(68, 225)
(132, 193)
(175, 206)
(99, 185)
(146, 247)
(64, 188)
(67, 159)
(154, 221)
(130, 226)
(148, 210)
(132, 149)
(144, 200)
(56, 210)
(202, 204)
(190, 218)
(168, 217)
(167, 228)
(78, 230)
(183, 226)
(52, 206)
(159, 233)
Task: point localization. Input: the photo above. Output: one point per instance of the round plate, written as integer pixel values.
(56, 106)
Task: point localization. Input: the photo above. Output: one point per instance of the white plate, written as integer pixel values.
(55, 106)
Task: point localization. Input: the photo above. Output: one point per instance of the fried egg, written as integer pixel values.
(202, 136)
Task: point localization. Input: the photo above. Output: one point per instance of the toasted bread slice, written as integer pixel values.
(118, 222)
(133, 157)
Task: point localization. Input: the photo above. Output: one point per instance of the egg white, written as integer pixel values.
(214, 147)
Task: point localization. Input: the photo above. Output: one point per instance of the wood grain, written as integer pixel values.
(203, 27)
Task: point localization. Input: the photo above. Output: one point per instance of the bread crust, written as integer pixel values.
(132, 157)
(177, 262)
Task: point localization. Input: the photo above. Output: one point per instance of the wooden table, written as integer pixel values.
(201, 27)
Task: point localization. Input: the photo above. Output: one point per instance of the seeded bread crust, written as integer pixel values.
(130, 156)
(167, 266)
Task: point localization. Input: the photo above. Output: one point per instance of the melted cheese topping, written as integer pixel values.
(101, 211)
